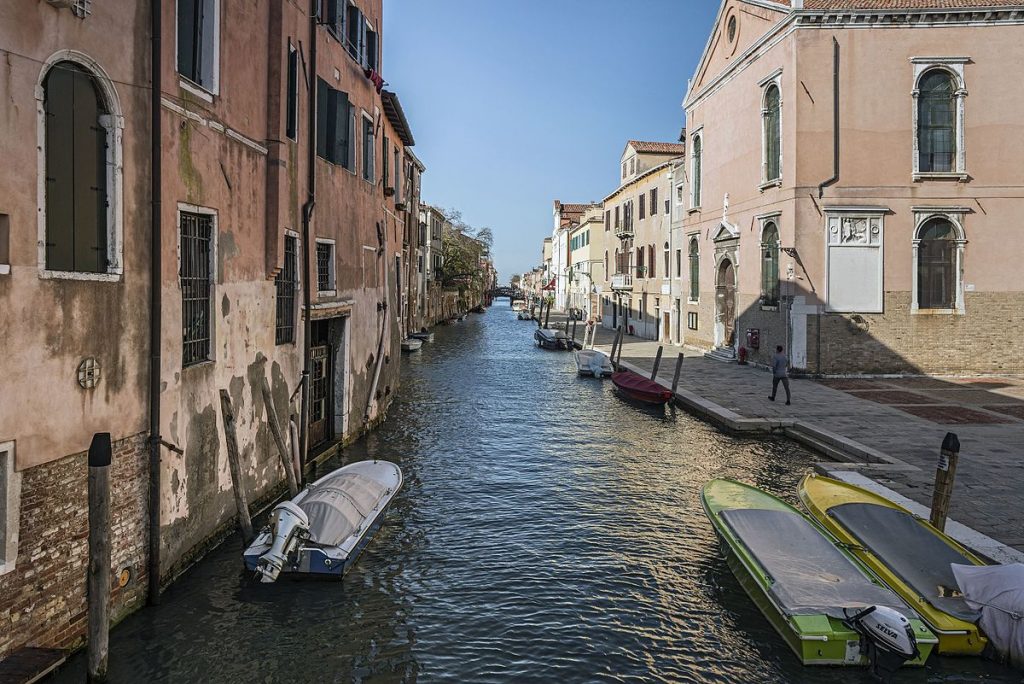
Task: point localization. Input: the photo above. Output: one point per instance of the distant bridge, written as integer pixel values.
(510, 292)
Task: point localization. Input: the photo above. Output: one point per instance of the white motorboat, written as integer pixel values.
(549, 338)
(524, 315)
(423, 335)
(593, 362)
(518, 305)
(411, 344)
(323, 530)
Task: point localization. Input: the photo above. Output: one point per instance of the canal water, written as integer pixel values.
(547, 532)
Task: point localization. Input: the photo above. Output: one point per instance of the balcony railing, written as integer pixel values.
(623, 230)
(622, 281)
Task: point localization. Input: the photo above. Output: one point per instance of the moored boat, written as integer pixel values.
(905, 552)
(411, 344)
(423, 335)
(636, 386)
(593, 362)
(549, 338)
(826, 606)
(326, 526)
(518, 304)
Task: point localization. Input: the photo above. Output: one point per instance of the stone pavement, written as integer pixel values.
(889, 429)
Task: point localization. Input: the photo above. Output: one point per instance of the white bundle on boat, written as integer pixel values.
(998, 592)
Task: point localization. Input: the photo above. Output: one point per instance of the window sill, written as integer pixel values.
(693, 301)
(961, 177)
(693, 210)
(75, 275)
(777, 183)
(769, 308)
(196, 89)
(326, 293)
(205, 363)
(5, 269)
(935, 312)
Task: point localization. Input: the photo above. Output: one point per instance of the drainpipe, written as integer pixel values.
(307, 217)
(155, 313)
(835, 121)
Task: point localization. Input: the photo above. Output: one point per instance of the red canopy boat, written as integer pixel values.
(640, 388)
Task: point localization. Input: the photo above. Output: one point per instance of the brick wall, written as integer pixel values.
(42, 601)
(980, 341)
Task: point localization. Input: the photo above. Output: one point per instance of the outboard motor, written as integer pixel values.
(289, 526)
(886, 637)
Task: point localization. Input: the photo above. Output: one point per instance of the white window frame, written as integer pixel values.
(113, 123)
(870, 213)
(954, 66)
(955, 215)
(188, 84)
(332, 268)
(10, 507)
(695, 201)
(214, 274)
(773, 79)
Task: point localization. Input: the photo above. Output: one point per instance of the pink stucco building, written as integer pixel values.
(853, 185)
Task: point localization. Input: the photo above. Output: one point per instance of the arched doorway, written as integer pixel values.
(725, 305)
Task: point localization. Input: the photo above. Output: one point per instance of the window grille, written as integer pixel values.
(772, 134)
(324, 272)
(936, 277)
(286, 282)
(196, 287)
(82, 8)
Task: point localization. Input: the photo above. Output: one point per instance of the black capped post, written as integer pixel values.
(945, 474)
(98, 582)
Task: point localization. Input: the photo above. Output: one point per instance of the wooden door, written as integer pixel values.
(320, 396)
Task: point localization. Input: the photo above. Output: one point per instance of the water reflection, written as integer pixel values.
(548, 531)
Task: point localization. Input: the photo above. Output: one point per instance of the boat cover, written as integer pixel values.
(338, 507)
(810, 576)
(918, 557)
(998, 592)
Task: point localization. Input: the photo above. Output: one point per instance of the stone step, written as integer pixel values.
(726, 355)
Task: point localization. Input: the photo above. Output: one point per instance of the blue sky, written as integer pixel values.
(516, 104)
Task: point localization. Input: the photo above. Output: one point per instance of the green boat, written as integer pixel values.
(821, 600)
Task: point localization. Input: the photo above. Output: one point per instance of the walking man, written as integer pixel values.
(780, 373)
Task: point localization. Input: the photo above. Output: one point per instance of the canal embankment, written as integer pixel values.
(865, 434)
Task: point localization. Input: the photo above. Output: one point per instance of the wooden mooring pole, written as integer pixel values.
(275, 429)
(675, 376)
(98, 583)
(237, 483)
(293, 434)
(657, 364)
(945, 474)
(615, 346)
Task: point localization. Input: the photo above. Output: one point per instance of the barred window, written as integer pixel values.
(286, 283)
(324, 266)
(196, 287)
(936, 122)
(936, 265)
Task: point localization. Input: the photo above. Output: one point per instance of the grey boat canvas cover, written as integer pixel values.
(918, 557)
(998, 592)
(338, 507)
(810, 576)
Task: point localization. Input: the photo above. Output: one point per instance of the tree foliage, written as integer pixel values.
(462, 248)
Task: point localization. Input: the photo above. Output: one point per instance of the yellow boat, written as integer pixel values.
(905, 552)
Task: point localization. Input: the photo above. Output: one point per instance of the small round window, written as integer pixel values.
(731, 28)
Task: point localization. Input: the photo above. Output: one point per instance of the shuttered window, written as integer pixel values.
(76, 174)
(642, 206)
(368, 149)
(334, 122)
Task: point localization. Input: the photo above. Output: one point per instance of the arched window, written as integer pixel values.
(694, 270)
(668, 271)
(936, 265)
(76, 138)
(695, 174)
(770, 265)
(771, 116)
(936, 122)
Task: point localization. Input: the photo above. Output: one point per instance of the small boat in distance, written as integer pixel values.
(594, 363)
(524, 315)
(518, 304)
(824, 604)
(549, 338)
(323, 530)
(423, 335)
(638, 387)
(411, 344)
